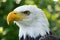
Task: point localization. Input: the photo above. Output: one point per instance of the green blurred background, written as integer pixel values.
(50, 7)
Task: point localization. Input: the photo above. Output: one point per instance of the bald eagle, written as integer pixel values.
(32, 23)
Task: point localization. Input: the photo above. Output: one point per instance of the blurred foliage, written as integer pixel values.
(50, 7)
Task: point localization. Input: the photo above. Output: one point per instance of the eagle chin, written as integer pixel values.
(32, 23)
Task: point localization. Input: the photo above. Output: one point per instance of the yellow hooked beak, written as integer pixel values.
(14, 16)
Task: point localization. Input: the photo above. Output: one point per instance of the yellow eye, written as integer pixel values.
(26, 12)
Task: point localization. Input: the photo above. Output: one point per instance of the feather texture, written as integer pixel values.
(37, 25)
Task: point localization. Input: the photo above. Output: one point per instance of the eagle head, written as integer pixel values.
(30, 19)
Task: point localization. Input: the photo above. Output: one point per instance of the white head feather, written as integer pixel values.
(37, 23)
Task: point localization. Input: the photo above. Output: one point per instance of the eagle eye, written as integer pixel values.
(26, 12)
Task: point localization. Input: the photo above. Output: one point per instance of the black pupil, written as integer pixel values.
(26, 12)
